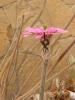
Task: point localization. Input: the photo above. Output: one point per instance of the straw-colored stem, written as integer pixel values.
(43, 78)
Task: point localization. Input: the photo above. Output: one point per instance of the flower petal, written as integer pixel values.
(34, 30)
(39, 32)
(26, 35)
(53, 30)
(38, 36)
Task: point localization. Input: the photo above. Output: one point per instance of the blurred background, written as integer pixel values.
(20, 58)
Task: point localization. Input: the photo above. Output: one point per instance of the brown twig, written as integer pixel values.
(66, 27)
(61, 57)
(36, 87)
(69, 47)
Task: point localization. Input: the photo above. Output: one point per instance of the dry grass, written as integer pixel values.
(20, 71)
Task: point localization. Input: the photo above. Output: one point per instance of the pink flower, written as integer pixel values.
(40, 32)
